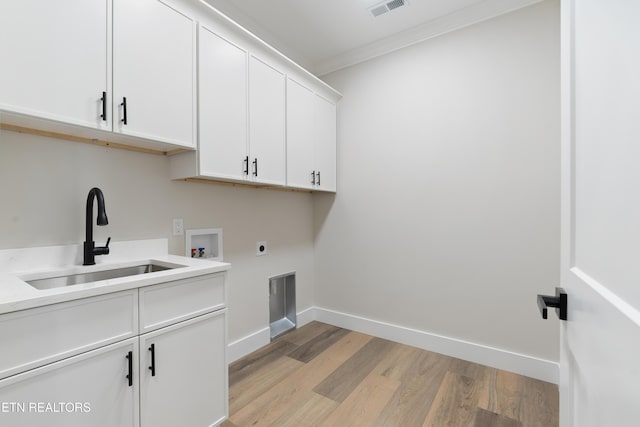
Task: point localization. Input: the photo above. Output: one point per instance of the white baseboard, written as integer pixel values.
(522, 364)
(306, 316)
(248, 344)
(262, 337)
(533, 367)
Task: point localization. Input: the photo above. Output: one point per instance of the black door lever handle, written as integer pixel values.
(559, 302)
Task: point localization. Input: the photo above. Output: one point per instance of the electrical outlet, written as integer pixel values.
(178, 227)
(261, 248)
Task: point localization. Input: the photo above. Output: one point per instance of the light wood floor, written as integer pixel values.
(321, 375)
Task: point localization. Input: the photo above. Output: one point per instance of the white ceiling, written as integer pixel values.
(327, 35)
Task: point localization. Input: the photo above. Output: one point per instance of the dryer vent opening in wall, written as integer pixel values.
(282, 304)
(385, 7)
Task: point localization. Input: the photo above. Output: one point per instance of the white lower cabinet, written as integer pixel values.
(173, 375)
(183, 373)
(91, 389)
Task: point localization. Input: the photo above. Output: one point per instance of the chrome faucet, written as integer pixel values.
(90, 249)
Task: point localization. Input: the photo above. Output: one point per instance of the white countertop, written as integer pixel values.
(16, 294)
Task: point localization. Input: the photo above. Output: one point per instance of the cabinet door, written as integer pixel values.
(223, 107)
(55, 59)
(154, 50)
(324, 152)
(183, 373)
(266, 123)
(300, 135)
(91, 389)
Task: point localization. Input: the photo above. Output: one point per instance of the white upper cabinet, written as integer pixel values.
(241, 116)
(167, 76)
(324, 151)
(154, 78)
(266, 123)
(300, 135)
(311, 139)
(223, 107)
(55, 59)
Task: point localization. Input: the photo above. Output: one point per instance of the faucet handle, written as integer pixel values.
(102, 250)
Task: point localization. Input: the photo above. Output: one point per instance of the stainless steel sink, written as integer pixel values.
(76, 279)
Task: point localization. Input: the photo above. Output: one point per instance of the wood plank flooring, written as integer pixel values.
(321, 375)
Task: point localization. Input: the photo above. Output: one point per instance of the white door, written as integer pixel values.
(600, 341)
(324, 152)
(183, 373)
(154, 48)
(91, 389)
(300, 135)
(223, 107)
(267, 114)
(55, 60)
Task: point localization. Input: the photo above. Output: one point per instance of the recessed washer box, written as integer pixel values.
(207, 243)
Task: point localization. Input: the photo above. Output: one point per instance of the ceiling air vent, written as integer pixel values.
(387, 6)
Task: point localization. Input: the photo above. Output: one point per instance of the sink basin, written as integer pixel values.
(76, 279)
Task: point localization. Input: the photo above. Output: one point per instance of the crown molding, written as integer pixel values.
(445, 24)
(249, 24)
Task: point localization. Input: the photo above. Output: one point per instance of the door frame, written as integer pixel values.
(567, 205)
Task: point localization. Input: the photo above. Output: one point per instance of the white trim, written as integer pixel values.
(272, 49)
(454, 21)
(306, 316)
(567, 201)
(522, 364)
(262, 337)
(248, 344)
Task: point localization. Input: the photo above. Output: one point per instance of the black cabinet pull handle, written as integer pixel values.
(103, 116)
(124, 110)
(559, 302)
(246, 165)
(255, 167)
(152, 368)
(313, 178)
(318, 177)
(130, 363)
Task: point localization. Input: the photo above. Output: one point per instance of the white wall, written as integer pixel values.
(43, 190)
(447, 214)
